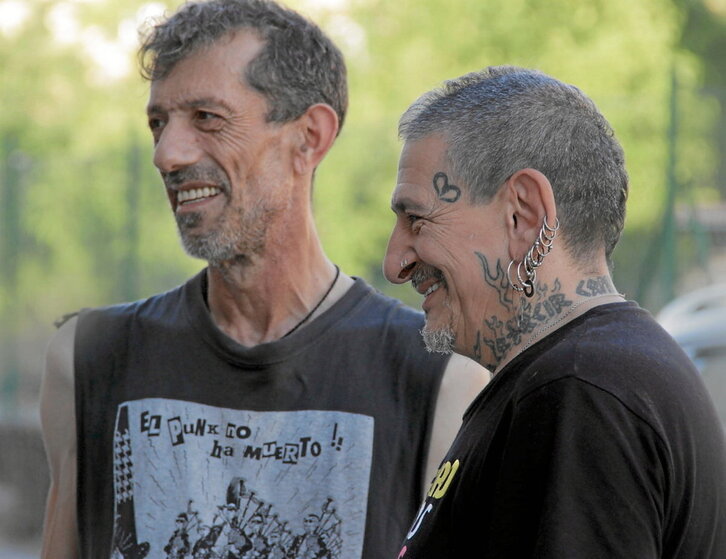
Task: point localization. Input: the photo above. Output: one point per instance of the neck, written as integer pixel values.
(260, 299)
(556, 302)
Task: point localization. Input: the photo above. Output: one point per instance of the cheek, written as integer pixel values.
(466, 293)
(435, 246)
(232, 151)
(235, 144)
(452, 256)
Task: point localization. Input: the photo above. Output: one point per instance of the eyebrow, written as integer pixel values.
(210, 102)
(404, 204)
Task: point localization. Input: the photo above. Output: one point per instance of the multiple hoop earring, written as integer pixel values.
(527, 268)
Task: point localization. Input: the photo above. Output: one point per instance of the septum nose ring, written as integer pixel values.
(404, 263)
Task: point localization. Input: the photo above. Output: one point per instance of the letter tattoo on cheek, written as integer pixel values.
(444, 191)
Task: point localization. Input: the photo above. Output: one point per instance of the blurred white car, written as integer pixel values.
(697, 321)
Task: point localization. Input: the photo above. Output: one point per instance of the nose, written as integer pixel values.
(400, 259)
(176, 148)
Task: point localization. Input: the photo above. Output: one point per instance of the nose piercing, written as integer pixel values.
(404, 263)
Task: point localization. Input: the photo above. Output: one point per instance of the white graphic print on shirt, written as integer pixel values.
(193, 481)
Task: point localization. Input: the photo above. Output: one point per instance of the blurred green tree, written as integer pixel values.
(704, 33)
(91, 225)
(619, 52)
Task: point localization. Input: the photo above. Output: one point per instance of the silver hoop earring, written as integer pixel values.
(551, 230)
(537, 252)
(533, 259)
(518, 288)
(531, 274)
(525, 286)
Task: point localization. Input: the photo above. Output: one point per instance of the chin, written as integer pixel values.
(439, 340)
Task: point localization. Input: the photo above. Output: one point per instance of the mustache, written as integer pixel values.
(196, 173)
(425, 272)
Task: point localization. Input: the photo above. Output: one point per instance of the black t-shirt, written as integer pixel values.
(600, 441)
(186, 435)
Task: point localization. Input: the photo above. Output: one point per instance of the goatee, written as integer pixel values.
(439, 341)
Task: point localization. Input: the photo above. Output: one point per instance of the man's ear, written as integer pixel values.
(530, 200)
(318, 127)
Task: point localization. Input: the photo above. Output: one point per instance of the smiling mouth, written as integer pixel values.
(422, 275)
(431, 289)
(196, 194)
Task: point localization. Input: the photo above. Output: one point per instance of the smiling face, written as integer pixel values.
(226, 170)
(444, 244)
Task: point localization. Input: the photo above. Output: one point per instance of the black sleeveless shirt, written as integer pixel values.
(191, 445)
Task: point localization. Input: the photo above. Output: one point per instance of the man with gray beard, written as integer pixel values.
(271, 386)
(596, 438)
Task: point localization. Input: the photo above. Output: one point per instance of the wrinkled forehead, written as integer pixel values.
(423, 170)
(211, 77)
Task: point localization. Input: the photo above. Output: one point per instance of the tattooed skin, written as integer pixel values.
(477, 347)
(591, 287)
(500, 337)
(444, 191)
(498, 280)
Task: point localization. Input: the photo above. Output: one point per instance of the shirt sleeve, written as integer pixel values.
(582, 476)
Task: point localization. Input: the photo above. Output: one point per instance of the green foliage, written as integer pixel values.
(85, 241)
(76, 124)
(619, 52)
(704, 34)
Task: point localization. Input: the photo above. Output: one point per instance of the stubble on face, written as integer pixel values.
(440, 339)
(240, 232)
(229, 241)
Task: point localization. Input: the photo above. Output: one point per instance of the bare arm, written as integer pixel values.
(57, 415)
(463, 380)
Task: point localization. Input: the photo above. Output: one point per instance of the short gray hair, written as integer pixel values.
(504, 119)
(297, 67)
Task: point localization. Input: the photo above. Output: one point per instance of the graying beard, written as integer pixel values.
(439, 341)
(209, 248)
(218, 247)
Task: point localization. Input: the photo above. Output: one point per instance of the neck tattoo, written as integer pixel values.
(316, 307)
(537, 334)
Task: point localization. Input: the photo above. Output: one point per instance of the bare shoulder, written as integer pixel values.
(57, 406)
(463, 379)
(57, 415)
(59, 355)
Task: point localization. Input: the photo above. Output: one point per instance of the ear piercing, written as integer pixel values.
(534, 258)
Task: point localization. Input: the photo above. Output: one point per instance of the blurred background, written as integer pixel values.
(84, 219)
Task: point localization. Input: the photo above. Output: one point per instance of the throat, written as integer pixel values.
(250, 313)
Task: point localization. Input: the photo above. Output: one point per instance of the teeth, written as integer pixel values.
(431, 289)
(194, 194)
